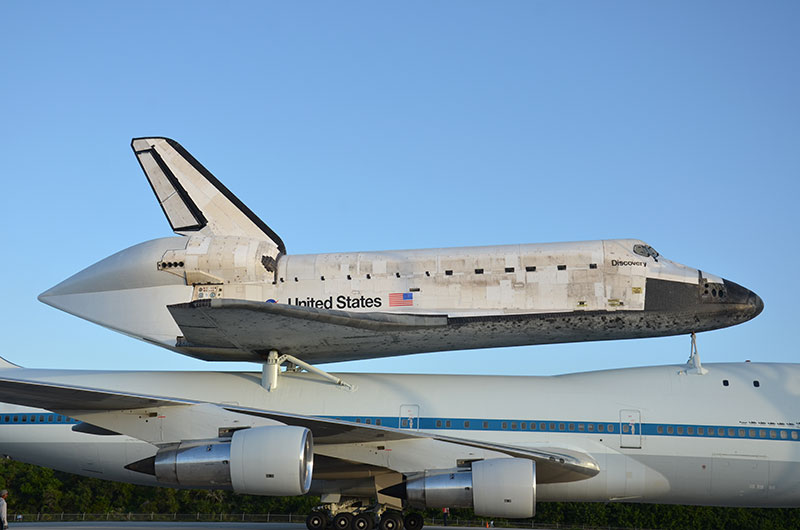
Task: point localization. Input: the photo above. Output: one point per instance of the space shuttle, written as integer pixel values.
(226, 289)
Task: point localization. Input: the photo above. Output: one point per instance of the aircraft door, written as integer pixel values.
(630, 429)
(409, 417)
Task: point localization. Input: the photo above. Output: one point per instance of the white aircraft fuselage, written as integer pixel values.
(666, 434)
(228, 290)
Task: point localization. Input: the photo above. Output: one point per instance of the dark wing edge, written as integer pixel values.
(553, 464)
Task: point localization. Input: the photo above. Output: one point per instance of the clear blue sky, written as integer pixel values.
(373, 125)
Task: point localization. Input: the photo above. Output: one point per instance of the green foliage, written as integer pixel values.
(39, 490)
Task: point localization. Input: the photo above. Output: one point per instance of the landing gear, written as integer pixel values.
(343, 521)
(364, 521)
(391, 521)
(413, 521)
(353, 515)
(316, 521)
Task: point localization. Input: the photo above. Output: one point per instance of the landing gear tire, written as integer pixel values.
(343, 521)
(391, 521)
(364, 521)
(413, 521)
(316, 521)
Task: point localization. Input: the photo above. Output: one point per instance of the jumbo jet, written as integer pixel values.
(723, 434)
(226, 289)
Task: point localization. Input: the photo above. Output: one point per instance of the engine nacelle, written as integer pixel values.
(273, 460)
(498, 487)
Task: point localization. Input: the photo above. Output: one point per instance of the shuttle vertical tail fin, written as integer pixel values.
(192, 198)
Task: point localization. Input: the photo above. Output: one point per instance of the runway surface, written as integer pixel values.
(138, 525)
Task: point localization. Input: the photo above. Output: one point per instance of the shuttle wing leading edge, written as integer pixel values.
(247, 330)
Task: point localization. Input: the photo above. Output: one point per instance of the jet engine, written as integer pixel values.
(498, 487)
(273, 460)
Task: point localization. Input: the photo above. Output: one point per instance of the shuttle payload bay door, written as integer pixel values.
(409, 417)
(630, 429)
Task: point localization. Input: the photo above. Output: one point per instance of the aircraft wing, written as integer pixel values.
(225, 329)
(552, 464)
(56, 396)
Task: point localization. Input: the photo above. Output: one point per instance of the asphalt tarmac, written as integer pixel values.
(139, 525)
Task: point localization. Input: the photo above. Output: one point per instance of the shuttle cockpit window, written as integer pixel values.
(646, 250)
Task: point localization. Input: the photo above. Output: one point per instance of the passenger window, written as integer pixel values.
(601, 427)
(670, 429)
(660, 429)
(466, 424)
(701, 431)
(438, 423)
(689, 430)
(794, 435)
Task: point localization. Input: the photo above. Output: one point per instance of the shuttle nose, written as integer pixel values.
(736, 294)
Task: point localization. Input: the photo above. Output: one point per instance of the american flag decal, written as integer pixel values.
(401, 299)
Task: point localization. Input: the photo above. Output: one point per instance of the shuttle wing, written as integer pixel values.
(225, 329)
(192, 198)
(552, 464)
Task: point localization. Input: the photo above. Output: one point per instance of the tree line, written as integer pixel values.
(34, 489)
